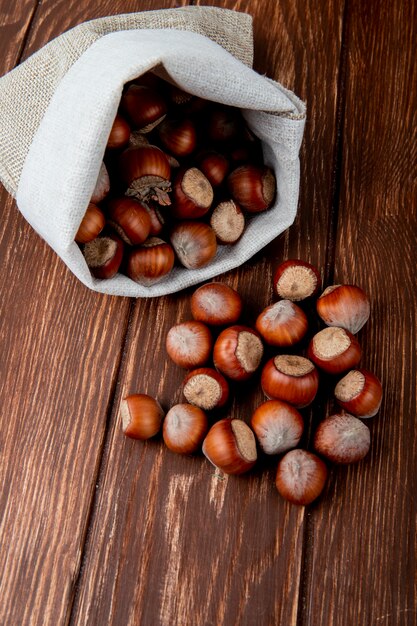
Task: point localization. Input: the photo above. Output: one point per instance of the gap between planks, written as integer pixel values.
(328, 279)
(100, 470)
(25, 38)
(337, 152)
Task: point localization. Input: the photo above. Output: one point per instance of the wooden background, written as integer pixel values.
(96, 529)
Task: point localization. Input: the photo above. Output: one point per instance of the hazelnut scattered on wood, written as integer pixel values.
(290, 381)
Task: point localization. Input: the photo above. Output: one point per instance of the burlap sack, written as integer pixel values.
(57, 108)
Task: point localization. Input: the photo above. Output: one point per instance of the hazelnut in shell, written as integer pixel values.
(214, 166)
(178, 137)
(141, 416)
(189, 344)
(334, 350)
(146, 172)
(342, 438)
(278, 426)
(193, 194)
(345, 306)
(359, 393)
(290, 378)
(102, 186)
(296, 280)
(253, 187)
(194, 243)
(282, 324)
(230, 446)
(184, 428)
(216, 304)
(130, 219)
(206, 388)
(301, 477)
(144, 106)
(91, 225)
(104, 255)
(238, 352)
(228, 222)
(119, 133)
(150, 262)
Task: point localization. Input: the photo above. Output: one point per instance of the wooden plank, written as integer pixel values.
(170, 543)
(15, 20)
(57, 17)
(362, 556)
(61, 346)
(60, 351)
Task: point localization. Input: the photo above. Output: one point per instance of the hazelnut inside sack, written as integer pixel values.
(64, 159)
(26, 90)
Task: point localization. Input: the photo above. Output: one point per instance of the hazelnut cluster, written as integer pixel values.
(218, 350)
(180, 176)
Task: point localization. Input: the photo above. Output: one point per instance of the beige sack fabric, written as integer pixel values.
(57, 109)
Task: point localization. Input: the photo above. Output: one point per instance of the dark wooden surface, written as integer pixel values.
(96, 529)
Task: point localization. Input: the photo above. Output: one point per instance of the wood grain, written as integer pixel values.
(170, 542)
(57, 16)
(362, 555)
(15, 20)
(61, 346)
(52, 422)
(98, 529)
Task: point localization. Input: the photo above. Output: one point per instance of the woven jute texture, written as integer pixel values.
(26, 91)
(57, 108)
